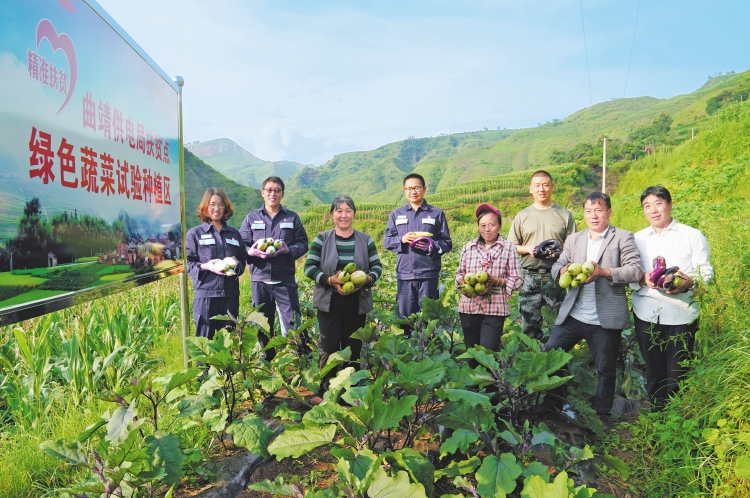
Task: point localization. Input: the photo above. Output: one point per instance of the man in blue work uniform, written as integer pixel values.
(272, 275)
(417, 266)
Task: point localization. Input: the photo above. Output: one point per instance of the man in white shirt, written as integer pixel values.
(666, 320)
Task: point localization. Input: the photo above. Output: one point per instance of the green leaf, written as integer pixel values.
(335, 360)
(177, 379)
(619, 465)
(117, 426)
(376, 389)
(460, 440)
(216, 419)
(471, 398)
(90, 430)
(460, 415)
(425, 373)
(587, 414)
(399, 486)
(497, 477)
(544, 383)
(544, 438)
(252, 434)
(285, 413)
(419, 468)
(71, 453)
(277, 488)
(484, 357)
(388, 415)
(165, 453)
(580, 454)
(193, 406)
(742, 466)
(461, 468)
(300, 439)
(537, 469)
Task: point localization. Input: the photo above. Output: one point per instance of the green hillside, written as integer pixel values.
(376, 175)
(630, 124)
(238, 164)
(199, 176)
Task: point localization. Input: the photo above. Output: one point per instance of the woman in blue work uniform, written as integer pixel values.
(214, 292)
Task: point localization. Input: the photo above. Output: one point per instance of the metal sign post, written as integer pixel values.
(184, 312)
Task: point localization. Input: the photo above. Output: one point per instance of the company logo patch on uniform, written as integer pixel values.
(428, 220)
(208, 242)
(287, 225)
(233, 242)
(258, 225)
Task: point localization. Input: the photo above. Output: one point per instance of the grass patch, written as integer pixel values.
(27, 297)
(9, 279)
(88, 259)
(114, 269)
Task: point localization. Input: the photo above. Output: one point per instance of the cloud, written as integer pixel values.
(278, 142)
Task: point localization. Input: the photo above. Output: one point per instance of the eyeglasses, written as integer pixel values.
(272, 190)
(413, 189)
(214, 206)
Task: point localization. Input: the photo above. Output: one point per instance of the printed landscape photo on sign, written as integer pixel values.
(89, 165)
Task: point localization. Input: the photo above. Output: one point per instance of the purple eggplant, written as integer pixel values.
(669, 271)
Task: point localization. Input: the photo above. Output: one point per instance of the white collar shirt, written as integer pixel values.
(681, 246)
(584, 309)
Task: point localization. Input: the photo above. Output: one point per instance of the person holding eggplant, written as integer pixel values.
(675, 258)
(489, 271)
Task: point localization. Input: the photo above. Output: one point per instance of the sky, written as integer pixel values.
(303, 81)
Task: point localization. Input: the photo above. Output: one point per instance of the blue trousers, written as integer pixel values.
(282, 295)
(604, 345)
(409, 294)
(206, 307)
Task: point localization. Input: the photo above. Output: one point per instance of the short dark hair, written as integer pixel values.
(540, 172)
(595, 197)
(273, 179)
(417, 176)
(343, 199)
(658, 191)
(203, 206)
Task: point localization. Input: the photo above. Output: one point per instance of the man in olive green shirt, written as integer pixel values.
(541, 221)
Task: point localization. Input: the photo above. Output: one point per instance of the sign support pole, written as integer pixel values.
(184, 311)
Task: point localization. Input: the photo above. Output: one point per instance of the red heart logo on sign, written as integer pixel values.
(45, 29)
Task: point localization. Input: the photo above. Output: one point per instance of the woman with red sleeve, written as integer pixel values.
(483, 314)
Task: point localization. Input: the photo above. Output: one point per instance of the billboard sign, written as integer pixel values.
(89, 169)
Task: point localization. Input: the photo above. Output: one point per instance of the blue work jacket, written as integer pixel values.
(205, 243)
(411, 265)
(287, 226)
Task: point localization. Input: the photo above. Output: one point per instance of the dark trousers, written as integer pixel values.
(663, 348)
(484, 330)
(336, 329)
(206, 307)
(284, 295)
(409, 294)
(604, 345)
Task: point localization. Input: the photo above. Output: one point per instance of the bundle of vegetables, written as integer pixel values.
(475, 283)
(660, 275)
(576, 275)
(226, 266)
(550, 248)
(352, 278)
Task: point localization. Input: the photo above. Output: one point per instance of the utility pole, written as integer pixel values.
(604, 167)
(692, 136)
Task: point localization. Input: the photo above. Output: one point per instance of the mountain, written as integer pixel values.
(629, 124)
(199, 176)
(238, 164)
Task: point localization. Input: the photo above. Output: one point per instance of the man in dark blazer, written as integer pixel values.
(598, 309)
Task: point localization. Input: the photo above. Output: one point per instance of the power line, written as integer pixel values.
(631, 48)
(586, 50)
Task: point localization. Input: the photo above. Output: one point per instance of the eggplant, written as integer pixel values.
(667, 285)
(660, 267)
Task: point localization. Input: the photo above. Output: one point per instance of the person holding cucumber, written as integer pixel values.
(344, 264)
(418, 233)
(666, 316)
(272, 272)
(212, 249)
(488, 272)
